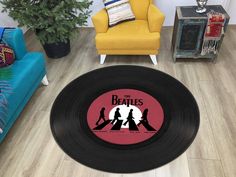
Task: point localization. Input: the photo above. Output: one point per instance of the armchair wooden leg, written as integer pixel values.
(102, 59)
(154, 59)
(45, 81)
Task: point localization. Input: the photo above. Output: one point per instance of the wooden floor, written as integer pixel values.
(30, 150)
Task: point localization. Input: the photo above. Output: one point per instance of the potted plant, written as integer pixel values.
(53, 21)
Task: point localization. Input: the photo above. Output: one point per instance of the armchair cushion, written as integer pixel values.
(118, 11)
(155, 19)
(132, 35)
(100, 21)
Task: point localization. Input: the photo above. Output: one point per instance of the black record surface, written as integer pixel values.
(70, 128)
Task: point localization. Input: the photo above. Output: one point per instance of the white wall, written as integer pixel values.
(97, 5)
(168, 7)
(5, 20)
(232, 11)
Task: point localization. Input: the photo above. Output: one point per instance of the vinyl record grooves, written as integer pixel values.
(124, 119)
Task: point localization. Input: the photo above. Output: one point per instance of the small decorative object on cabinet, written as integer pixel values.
(201, 6)
(191, 37)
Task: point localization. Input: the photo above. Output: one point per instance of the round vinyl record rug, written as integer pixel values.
(124, 119)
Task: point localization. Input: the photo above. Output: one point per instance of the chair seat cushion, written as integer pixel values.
(130, 35)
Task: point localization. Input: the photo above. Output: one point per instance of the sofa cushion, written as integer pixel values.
(15, 39)
(7, 55)
(118, 11)
(131, 35)
(25, 73)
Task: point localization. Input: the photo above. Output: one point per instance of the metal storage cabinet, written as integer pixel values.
(189, 29)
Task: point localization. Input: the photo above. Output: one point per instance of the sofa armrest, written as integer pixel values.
(15, 39)
(155, 19)
(100, 21)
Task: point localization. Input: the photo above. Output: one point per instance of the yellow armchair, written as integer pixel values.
(100, 21)
(138, 37)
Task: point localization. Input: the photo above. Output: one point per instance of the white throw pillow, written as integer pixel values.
(118, 11)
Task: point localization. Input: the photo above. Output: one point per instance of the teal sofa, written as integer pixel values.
(27, 73)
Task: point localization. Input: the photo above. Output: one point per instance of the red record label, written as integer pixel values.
(125, 116)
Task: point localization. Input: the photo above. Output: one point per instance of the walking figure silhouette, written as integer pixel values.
(101, 116)
(130, 117)
(144, 117)
(116, 116)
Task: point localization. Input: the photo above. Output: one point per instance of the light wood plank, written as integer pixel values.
(150, 173)
(178, 167)
(224, 128)
(205, 168)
